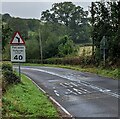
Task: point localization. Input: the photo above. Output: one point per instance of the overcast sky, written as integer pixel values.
(33, 9)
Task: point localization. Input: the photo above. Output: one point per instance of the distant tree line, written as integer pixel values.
(64, 26)
(59, 30)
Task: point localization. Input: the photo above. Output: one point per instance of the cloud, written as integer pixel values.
(31, 9)
(49, 0)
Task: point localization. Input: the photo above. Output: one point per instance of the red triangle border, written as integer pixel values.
(20, 37)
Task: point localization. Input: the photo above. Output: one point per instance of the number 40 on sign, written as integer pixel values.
(18, 53)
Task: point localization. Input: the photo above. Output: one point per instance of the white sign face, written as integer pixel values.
(18, 53)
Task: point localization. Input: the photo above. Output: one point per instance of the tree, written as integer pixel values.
(68, 14)
(6, 33)
(66, 47)
(18, 24)
(105, 22)
(50, 35)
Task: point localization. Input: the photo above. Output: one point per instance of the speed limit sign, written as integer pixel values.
(18, 53)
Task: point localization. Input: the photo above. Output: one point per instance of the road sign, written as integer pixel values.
(103, 43)
(17, 39)
(18, 53)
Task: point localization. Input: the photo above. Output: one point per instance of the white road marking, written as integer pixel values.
(62, 108)
(77, 90)
(63, 85)
(56, 92)
(66, 84)
(72, 91)
(81, 82)
(86, 91)
(74, 84)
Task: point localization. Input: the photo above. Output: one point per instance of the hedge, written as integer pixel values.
(8, 76)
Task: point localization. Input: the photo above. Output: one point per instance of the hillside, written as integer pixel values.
(19, 24)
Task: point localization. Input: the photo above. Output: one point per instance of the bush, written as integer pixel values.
(70, 61)
(7, 66)
(9, 77)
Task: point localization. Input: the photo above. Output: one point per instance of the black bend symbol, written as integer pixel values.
(18, 39)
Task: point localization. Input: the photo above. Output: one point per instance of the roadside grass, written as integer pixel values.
(106, 72)
(26, 100)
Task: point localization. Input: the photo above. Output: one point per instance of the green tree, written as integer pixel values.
(105, 22)
(50, 35)
(6, 35)
(68, 14)
(18, 24)
(66, 47)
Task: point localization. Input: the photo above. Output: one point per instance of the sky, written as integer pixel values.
(33, 8)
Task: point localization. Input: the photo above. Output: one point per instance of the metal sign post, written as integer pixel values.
(19, 71)
(104, 46)
(18, 50)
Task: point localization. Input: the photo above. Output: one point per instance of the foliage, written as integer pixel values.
(6, 33)
(83, 61)
(21, 25)
(32, 49)
(25, 100)
(105, 22)
(7, 66)
(74, 17)
(50, 35)
(66, 47)
(9, 77)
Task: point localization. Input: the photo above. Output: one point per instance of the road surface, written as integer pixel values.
(81, 94)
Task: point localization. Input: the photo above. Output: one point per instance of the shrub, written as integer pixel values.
(8, 76)
(70, 61)
(7, 66)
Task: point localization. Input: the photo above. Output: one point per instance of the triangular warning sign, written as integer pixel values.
(17, 39)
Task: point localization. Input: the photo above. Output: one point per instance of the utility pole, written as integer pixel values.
(92, 10)
(40, 44)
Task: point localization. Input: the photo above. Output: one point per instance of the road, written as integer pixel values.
(81, 94)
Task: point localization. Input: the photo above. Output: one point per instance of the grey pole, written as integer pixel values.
(103, 47)
(104, 44)
(104, 56)
(40, 41)
(19, 71)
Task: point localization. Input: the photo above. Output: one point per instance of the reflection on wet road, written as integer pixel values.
(82, 94)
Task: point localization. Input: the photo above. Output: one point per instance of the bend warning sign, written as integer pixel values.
(18, 53)
(17, 39)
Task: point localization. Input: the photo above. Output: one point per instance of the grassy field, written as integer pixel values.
(85, 51)
(111, 73)
(26, 100)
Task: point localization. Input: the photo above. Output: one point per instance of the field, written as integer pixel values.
(85, 50)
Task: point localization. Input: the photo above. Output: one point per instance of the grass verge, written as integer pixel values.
(26, 100)
(110, 73)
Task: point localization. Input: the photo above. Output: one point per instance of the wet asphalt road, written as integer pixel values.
(81, 94)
